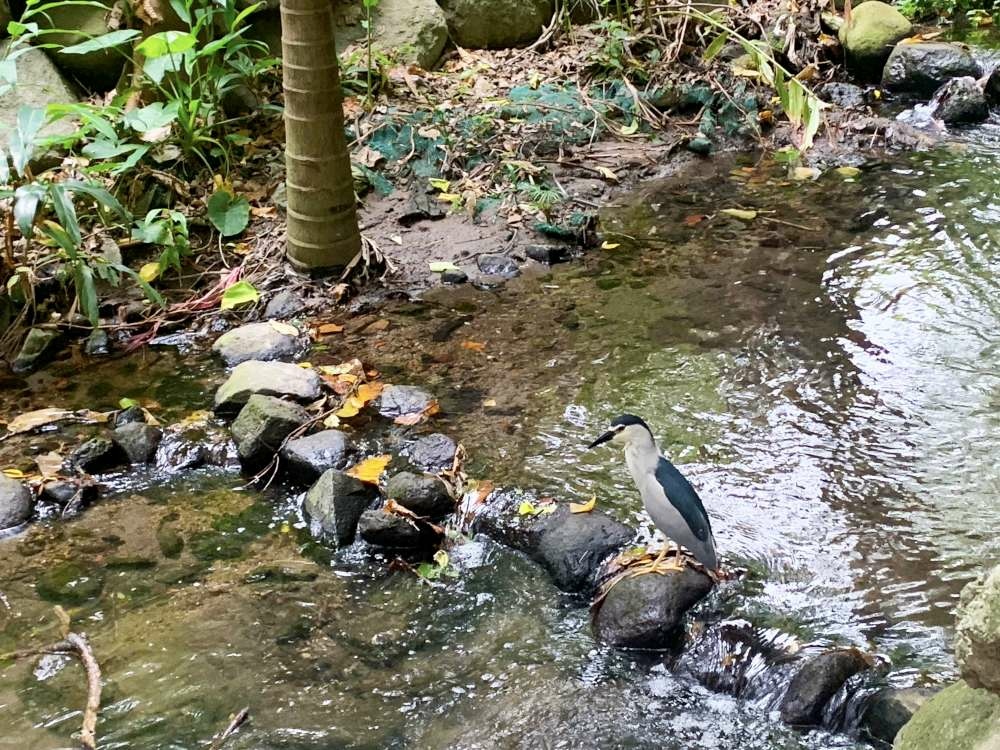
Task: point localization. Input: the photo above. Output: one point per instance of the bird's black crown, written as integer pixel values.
(628, 419)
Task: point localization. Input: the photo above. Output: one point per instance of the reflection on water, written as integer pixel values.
(827, 374)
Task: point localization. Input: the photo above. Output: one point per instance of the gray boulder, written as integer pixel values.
(97, 455)
(960, 101)
(647, 611)
(922, 68)
(870, 35)
(570, 546)
(423, 494)
(959, 717)
(399, 400)
(383, 529)
(487, 24)
(139, 441)
(15, 502)
(284, 304)
(259, 341)
(433, 452)
(99, 71)
(262, 426)
(412, 31)
(977, 633)
(306, 458)
(334, 504)
(889, 709)
(269, 379)
(38, 346)
(816, 682)
(39, 84)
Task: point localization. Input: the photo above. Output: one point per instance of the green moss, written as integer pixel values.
(69, 583)
(957, 718)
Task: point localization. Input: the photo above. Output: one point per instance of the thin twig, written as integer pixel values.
(238, 720)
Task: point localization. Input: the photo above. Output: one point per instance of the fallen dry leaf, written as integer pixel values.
(49, 464)
(32, 420)
(328, 328)
(417, 417)
(352, 406)
(378, 325)
(370, 470)
(583, 507)
(474, 346)
(369, 391)
(13, 473)
(693, 220)
(285, 329)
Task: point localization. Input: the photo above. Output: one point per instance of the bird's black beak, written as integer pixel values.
(602, 439)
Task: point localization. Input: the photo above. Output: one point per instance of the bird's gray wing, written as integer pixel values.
(682, 496)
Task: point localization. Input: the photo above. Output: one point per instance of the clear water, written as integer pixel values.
(827, 374)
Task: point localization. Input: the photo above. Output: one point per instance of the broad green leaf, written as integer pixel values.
(108, 149)
(23, 139)
(439, 184)
(86, 291)
(632, 128)
(151, 117)
(61, 237)
(229, 214)
(166, 43)
(26, 199)
(102, 42)
(240, 293)
(716, 46)
(127, 403)
(62, 201)
(101, 196)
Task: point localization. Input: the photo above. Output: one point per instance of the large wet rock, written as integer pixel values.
(488, 24)
(306, 458)
(38, 346)
(977, 633)
(870, 35)
(15, 502)
(269, 379)
(992, 88)
(39, 84)
(960, 717)
(423, 494)
(889, 709)
(816, 682)
(97, 455)
(413, 31)
(646, 611)
(262, 426)
(433, 452)
(383, 529)
(399, 400)
(100, 70)
(960, 101)
(570, 546)
(260, 341)
(922, 68)
(139, 441)
(334, 504)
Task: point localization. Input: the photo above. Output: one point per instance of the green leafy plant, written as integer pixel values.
(167, 229)
(541, 196)
(441, 566)
(369, 6)
(228, 213)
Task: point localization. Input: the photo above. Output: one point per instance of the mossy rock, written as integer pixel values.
(870, 35)
(958, 718)
(69, 583)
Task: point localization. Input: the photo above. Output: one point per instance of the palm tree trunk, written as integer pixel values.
(323, 230)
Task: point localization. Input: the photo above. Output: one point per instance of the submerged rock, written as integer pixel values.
(498, 264)
(959, 717)
(960, 101)
(423, 494)
(570, 546)
(139, 441)
(15, 502)
(335, 503)
(433, 452)
(37, 347)
(382, 529)
(977, 633)
(98, 455)
(868, 38)
(69, 583)
(816, 682)
(548, 254)
(398, 400)
(487, 24)
(269, 379)
(922, 68)
(306, 458)
(646, 611)
(889, 709)
(97, 344)
(259, 341)
(262, 426)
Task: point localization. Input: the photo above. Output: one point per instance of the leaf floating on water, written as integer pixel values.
(610, 245)
(693, 220)
(805, 173)
(474, 346)
(528, 508)
(127, 403)
(740, 213)
(13, 473)
(370, 391)
(583, 507)
(351, 408)
(32, 420)
(607, 174)
(49, 464)
(332, 421)
(327, 328)
(378, 326)
(370, 470)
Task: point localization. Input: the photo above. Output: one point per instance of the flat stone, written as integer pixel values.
(262, 426)
(139, 441)
(334, 504)
(423, 494)
(888, 710)
(433, 452)
(37, 348)
(278, 379)
(924, 67)
(389, 530)
(170, 540)
(647, 611)
(15, 502)
(977, 632)
(98, 455)
(816, 682)
(498, 264)
(306, 458)
(398, 400)
(259, 341)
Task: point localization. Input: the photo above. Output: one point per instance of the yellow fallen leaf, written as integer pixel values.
(378, 325)
(369, 391)
(41, 417)
(370, 470)
(474, 346)
(328, 328)
(439, 184)
(740, 213)
(848, 171)
(805, 173)
(352, 406)
(610, 245)
(49, 464)
(149, 272)
(332, 421)
(583, 507)
(13, 473)
(607, 174)
(490, 403)
(419, 416)
(306, 365)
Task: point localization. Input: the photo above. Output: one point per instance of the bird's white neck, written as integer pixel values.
(642, 455)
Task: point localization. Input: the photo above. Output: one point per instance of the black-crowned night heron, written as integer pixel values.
(669, 498)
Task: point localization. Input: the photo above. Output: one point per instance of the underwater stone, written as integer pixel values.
(97, 343)
(262, 426)
(889, 709)
(843, 95)
(335, 503)
(128, 416)
(284, 304)
(454, 277)
(257, 341)
(647, 611)
(977, 632)
(423, 494)
(436, 451)
(815, 683)
(549, 254)
(37, 346)
(15, 502)
(498, 264)
(700, 146)
(269, 379)
(69, 583)
(306, 458)
(139, 441)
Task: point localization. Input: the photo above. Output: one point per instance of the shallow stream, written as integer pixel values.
(828, 375)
